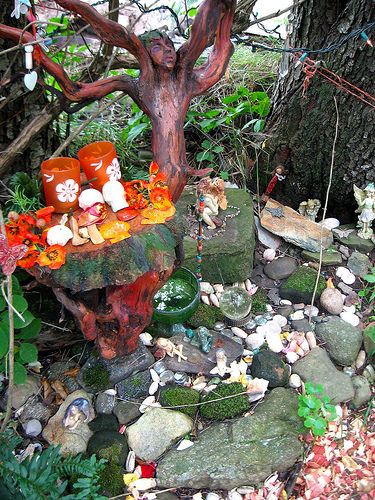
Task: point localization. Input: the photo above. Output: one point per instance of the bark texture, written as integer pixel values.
(302, 129)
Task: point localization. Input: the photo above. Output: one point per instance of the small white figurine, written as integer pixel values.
(221, 367)
(309, 208)
(89, 197)
(59, 234)
(114, 195)
(366, 209)
(170, 348)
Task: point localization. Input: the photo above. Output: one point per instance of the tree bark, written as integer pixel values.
(302, 129)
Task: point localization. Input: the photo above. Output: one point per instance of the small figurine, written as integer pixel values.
(201, 338)
(114, 195)
(309, 208)
(170, 349)
(78, 411)
(366, 209)
(279, 174)
(214, 198)
(221, 367)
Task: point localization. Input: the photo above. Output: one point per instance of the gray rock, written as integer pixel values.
(119, 368)
(345, 288)
(285, 311)
(270, 366)
(110, 445)
(104, 422)
(156, 431)
(362, 390)
(332, 301)
(229, 255)
(35, 410)
(352, 240)
(168, 495)
(32, 428)
(57, 372)
(330, 257)
(266, 237)
(359, 264)
(126, 412)
(136, 386)
(239, 452)
(301, 325)
(22, 392)
(317, 368)
(342, 340)
(72, 441)
(104, 403)
(281, 268)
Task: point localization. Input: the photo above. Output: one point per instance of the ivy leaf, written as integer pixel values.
(28, 352)
(4, 341)
(2, 303)
(20, 303)
(30, 331)
(20, 373)
(18, 322)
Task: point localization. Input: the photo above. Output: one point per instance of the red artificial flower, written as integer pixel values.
(26, 221)
(160, 198)
(53, 257)
(29, 258)
(45, 213)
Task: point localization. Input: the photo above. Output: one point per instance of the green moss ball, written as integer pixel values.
(226, 408)
(303, 280)
(176, 396)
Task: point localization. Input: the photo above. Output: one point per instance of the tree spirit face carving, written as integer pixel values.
(162, 53)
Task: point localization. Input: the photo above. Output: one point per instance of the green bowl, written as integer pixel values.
(178, 299)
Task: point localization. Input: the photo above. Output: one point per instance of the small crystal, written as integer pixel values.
(159, 367)
(166, 376)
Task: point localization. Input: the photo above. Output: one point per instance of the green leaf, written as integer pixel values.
(224, 175)
(4, 341)
(18, 322)
(258, 125)
(206, 144)
(303, 411)
(30, 331)
(370, 278)
(28, 352)
(231, 98)
(218, 149)
(20, 303)
(20, 373)
(192, 12)
(205, 156)
(2, 303)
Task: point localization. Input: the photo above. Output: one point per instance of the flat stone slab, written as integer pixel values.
(329, 257)
(347, 235)
(239, 452)
(293, 227)
(228, 256)
(198, 361)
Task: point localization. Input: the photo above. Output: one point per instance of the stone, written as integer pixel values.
(299, 314)
(330, 257)
(269, 254)
(239, 452)
(116, 369)
(267, 239)
(285, 311)
(317, 368)
(350, 318)
(156, 431)
(255, 341)
(199, 362)
(330, 223)
(126, 412)
(359, 264)
(346, 276)
(294, 228)
(301, 325)
(35, 410)
(345, 288)
(341, 340)
(300, 285)
(72, 441)
(32, 428)
(104, 403)
(110, 445)
(269, 366)
(362, 392)
(280, 268)
(104, 422)
(22, 392)
(280, 320)
(57, 371)
(228, 257)
(295, 381)
(274, 342)
(168, 495)
(347, 235)
(369, 339)
(332, 301)
(136, 386)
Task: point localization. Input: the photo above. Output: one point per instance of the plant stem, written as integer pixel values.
(11, 341)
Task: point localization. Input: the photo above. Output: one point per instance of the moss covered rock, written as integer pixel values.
(226, 408)
(109, 445)
(259, 301)
(206, 316)
(96, 377)
(176, 396)
(111, 481)
(300, 285)
(136, 386)
(269, 366)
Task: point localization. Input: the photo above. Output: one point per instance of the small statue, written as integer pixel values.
(279, 174)
(310, 208)
(221, 367)
(366, 209)
(77, 412)
(214, 198)
(170, 348)
(201, 338)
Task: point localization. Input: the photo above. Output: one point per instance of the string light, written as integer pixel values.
(301, 59)
(366, 38)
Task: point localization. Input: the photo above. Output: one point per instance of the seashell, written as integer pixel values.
(269, 308)
(297, 315)
(219, 288)
(205, 300)
(300, 351)
(280, 320)
(350, 318)
(361, 359)
(214, 300)
(295, 381)
(149, 401)
(153, 388)
(248, 284)
(346, 276)
(269, 254)
(199, 387)
(206, 287)
(242, 285)
(143, 484)
(369, 373)
(305, 345)
(155, 377)
(93, 215)
(291, 357)
(274, 342)
(130, 462)
(146, 338)
(310, 337)
(239, 332)
(212, 496)
(185, 443)
(285, 302)
(111, 392)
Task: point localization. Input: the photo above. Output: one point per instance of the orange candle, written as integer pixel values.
(99, 162)
(61, 182)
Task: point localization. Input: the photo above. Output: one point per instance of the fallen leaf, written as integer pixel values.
(73, 372)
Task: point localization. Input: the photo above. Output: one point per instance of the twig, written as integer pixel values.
(11, 340)
(325, 206)
(274, 14)
(78, 130)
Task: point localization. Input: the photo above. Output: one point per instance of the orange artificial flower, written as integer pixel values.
(154, 169)
(160, 198)
(26, 221)
(53, 257)
(28, 238)
(29, 259)
(14, 232)
(134, 193)
(45, 213)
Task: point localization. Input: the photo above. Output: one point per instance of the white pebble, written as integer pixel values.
(274, 342)
(314, 311)
(346, 276)
(361, 359)
(153, 388)
(269, 254)
(330, 223)
(305, 345)
(212, 496)
(32, 428)
(285, 302)
(255, 341)
(111, 392)
(206, 287)
(184, 445)
(239, 332)
(248, 284)
(273, 327)
(234, 495)
(280, 320)
(149, 401)
(310, 337)
(205, 300)
(349, 309)
(214, 300)
(295, 381)
(269, 308)
(297, 315)
(199, 387)
(219, 288)
(291, 357)
(350, 318)
(261, 330)
(146, 338)
(130, 462)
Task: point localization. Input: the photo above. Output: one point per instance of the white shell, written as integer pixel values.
(89, 197)
(248, 284)
(149, 401)
(130, 462)
(185, 443)
(310, 337)
(291, 357)
(297, 315)
(206, 287)
(146, 338)
(111, 392)
(361, 359)
(199, 387)
(295, 381)
(153, 388)
(350, 318)
(205, 300)
(285, 302)
(214, 300)
(155, 377)
(219, 288)
(269, 308)
(269, 254)
(280, 320)
(274, 342)
(346, 276)
(239, 332)
(59, 235)
(234, 495)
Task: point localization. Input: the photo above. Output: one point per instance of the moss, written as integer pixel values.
(97, 377)
(303, 280)
(176, 396)
(136, 381)
(259, 301)
(205, 316)
(111, 482)
(227, 408)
